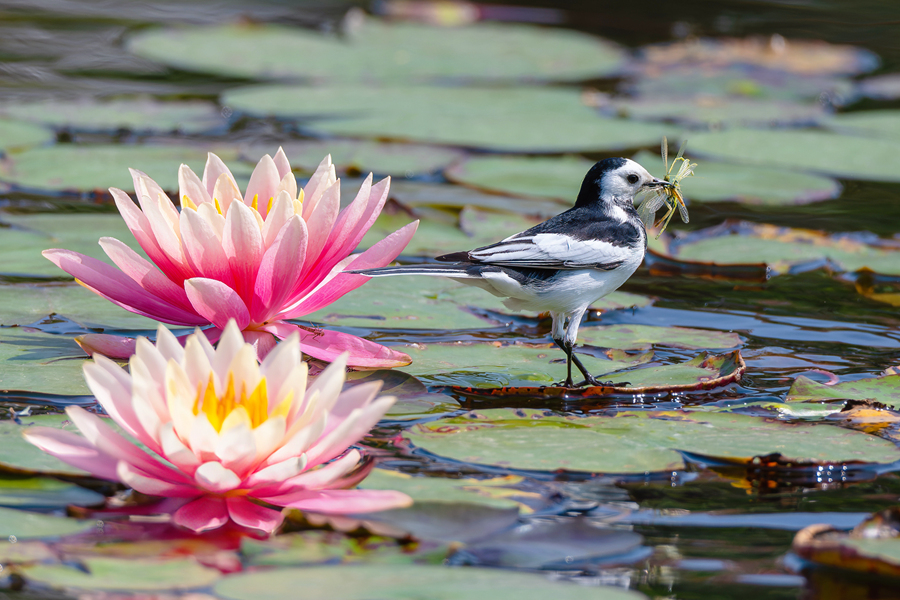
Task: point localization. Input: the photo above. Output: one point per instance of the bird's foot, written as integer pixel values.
(590, 380)
(568, 383)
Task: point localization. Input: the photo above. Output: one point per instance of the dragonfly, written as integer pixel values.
(669, 196)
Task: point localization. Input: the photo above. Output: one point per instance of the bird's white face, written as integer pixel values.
(626, 181)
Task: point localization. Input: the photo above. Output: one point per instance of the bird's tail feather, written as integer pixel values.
(454, 271)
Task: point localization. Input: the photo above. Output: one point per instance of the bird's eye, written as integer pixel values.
(633, 178)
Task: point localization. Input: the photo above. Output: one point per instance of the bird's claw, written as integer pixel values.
(593, 381)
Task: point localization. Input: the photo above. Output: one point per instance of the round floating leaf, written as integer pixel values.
(23, 525)
(783, 248)
(884, 389)
(310, 547)
(16, 135)
(415, 194)
(556, 178)
(499, 492)
(383, 51)
(106, 573)
(44, 492)
(69, 168)
(710, 111)
(521, 119)
(641, 337)
(20, 455)
(635, 442)
(32, 361)
(717, 182)
(364, 156)
(25, 304)
(871, 123)
(140, 114)
(850, 157)
(805, 57)
(362, 582)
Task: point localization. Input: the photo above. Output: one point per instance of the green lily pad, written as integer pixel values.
(712, 111)
(19, 455)
(642, 337)
(519, 119)
(362, 582)
(499, 492)
(869, 123)
(17, 135)
(846, 156)
(69, 168)
(477, 298)
(414, 401)
(884, 389)
(362, 156)
(783, 248)
(21, 525)
(530, 177)
(25, 303)
(635, 442)
(414, 194)
(107, 573)
(137, 114)
(311, 547)
(44, 492)
(380, 51)
(32, 361)
(718, 182)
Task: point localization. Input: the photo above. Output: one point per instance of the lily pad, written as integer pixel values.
(869, 123)
(718, 111)
(381, 51)
(136, 114)
(634, 442)
(44, 492)
(18, 135)
(414, 193)
(24, 304)
(872, 547)
(519, 119)
(311, 547)
(784, 248)
(718, 182)
(414, 401)
(885, 389)
(21, 525)
(69, 168)
(845, 156)
(642, 337)
(38, 362)
(530, 177)
(20, 456)
(362, 582)
(362, 156)
(107, 573)
(804, 57)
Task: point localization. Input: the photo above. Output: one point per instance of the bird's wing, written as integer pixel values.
(553, 251)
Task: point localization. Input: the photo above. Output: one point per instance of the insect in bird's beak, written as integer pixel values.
(658, 183)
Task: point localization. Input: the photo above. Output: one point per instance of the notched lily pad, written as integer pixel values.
(884, 389)
(383, 51)
(784, 249)
(134, 114)
(76, 169)
(514, 119)
(634, 442)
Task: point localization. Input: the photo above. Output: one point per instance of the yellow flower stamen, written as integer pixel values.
(218, 206)
(255, 204)
(269, 205)
(187, 202)
(300, 197)
(225, 410)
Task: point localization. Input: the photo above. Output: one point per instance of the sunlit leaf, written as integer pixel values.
(642, 337)
(413, 194)
(44, 492)
(499, 492)
(19, 524)
(519, 119)
(383, 51)
(885, 389)
(39, 362)
(364, 582)
(634, 442)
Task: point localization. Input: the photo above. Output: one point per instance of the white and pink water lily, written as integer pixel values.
(226, 434)
(261, 258)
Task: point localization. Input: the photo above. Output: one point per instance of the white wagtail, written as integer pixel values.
(564, 264)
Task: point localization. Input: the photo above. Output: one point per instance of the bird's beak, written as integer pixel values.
(657, 183)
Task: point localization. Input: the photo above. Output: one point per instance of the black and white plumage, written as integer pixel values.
(564, 264)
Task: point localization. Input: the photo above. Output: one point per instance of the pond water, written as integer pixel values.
(767, 324)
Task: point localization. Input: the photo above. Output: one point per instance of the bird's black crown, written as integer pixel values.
(593, 181)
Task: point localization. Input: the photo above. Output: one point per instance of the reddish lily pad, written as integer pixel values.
(784, 248)
(634, 442)
(515, 119)
(884, 389)
(69, 168)
(135, 114)
(383, 51)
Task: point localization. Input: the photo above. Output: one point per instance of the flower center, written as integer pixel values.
(231, 409)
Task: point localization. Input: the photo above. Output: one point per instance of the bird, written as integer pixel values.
(564, 264)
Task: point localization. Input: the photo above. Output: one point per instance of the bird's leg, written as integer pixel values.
(569, 348)
(569, 356)
(558, 332)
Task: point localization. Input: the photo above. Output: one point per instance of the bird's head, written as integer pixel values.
(616, 180)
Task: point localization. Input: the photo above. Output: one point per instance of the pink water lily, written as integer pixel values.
(260, 258)
(226, 433)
